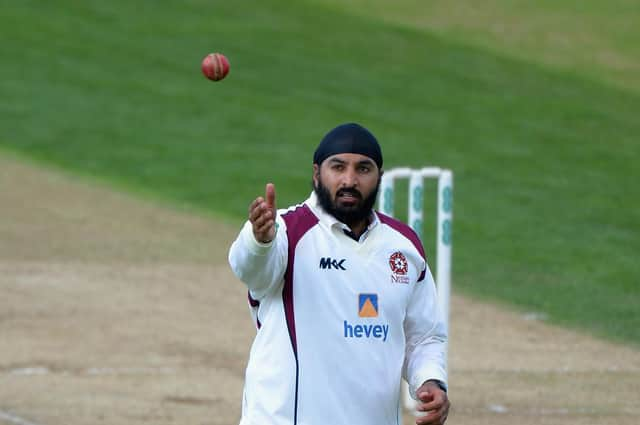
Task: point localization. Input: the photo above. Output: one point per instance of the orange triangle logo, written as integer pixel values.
(368, 310)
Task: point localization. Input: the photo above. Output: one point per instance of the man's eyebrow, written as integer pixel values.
(337, 160)
(365, 162)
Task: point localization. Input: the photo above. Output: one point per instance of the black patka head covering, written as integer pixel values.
(348, 138)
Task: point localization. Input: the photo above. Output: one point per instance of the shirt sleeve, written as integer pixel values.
(426, 337)
(260, 266)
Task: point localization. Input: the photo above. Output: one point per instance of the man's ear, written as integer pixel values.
(316, 174)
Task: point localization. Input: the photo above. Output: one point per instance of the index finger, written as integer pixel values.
(431, 403)
(426, 396)
(270, 195)
(255, 203)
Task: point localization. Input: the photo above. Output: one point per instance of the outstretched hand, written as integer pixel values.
(262, 215)
(433, 403)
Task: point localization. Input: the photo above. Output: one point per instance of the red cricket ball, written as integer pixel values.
(215, 66)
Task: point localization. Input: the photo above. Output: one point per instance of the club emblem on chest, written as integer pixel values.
(399, 268)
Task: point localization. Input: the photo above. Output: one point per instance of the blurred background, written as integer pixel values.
(534, 105)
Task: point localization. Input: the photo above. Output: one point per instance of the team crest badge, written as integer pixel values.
(399, 268)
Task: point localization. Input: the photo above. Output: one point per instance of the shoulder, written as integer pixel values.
(403, 230)
(297, 220)
(297, 215)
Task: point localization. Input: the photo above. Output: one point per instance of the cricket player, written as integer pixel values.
(343, 301)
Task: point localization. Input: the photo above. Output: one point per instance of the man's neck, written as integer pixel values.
(357, 229)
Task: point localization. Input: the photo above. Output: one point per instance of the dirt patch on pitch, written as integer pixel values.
(119, 311)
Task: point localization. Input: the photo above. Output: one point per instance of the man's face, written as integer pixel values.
(347, 185)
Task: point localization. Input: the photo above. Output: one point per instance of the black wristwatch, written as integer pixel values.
(440, 384)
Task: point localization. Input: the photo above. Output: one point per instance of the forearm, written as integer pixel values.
(260, 266)
(426, 337)
(426, 361)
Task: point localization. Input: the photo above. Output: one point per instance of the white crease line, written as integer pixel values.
(497, 408)
(93, 371)
(555, 411)
(128, 371)
(113, 371)
(559, 371)
(15, 419)
(30, 371)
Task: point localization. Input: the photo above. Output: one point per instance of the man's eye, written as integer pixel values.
(364, 169)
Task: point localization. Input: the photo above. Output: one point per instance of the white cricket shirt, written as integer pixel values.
(338, 321)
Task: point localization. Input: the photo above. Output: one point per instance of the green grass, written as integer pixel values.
(590, 38)
(546, 211)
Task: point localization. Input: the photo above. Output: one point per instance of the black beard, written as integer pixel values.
(348, 215)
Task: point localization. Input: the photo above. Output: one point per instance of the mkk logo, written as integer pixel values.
(328, 263)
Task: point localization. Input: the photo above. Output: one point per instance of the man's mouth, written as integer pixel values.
(348, 196)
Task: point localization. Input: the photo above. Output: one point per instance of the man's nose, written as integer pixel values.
(350, 178)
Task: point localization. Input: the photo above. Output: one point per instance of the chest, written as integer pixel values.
(339, 277)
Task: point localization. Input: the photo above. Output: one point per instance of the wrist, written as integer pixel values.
(438, 383)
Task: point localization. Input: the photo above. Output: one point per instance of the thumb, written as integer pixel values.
(270, 195)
